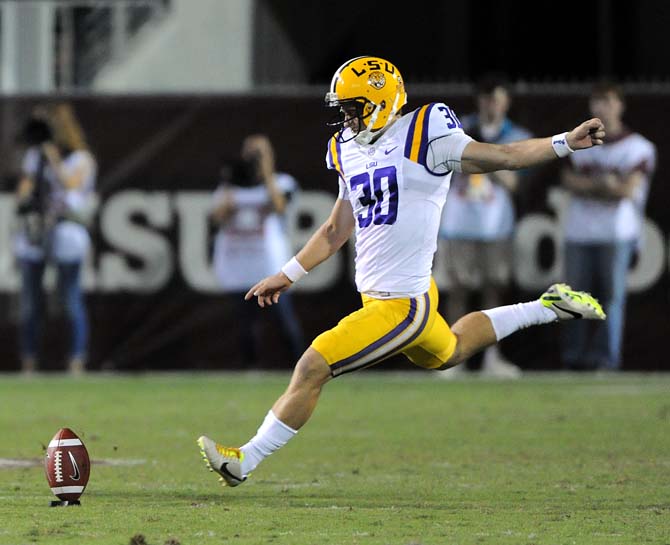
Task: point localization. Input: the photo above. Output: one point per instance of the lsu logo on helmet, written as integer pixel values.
(370, 89)
(377, 80)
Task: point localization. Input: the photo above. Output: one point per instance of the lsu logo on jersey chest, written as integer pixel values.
(384, 154)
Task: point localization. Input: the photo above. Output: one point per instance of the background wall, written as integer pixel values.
(151, 295)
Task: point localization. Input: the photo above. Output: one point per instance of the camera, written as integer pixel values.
(241, 172)
(32, 209)
(36, 132)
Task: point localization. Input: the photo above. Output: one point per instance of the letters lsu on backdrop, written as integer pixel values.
(174, 239)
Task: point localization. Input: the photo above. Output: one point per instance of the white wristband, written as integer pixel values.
(293, 270)
(560, 144)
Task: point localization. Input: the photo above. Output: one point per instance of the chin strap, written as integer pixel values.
(394, 109)
(373, 136)
(367, 136)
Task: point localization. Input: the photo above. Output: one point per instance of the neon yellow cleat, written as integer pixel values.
(226, 461)
(569, 304)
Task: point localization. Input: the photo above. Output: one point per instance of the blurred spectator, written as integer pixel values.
(608, 188)
(54, 203)
(478, 222)
(249, 208)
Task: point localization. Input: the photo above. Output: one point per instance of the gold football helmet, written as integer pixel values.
(368, 93)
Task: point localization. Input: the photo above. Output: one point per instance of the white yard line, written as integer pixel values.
(12, 463)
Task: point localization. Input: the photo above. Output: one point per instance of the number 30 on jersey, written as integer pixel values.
(382, 190)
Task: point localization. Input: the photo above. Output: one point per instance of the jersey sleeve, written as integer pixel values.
(334, 162)
(444, 153)
(334, 156)
(435, 139)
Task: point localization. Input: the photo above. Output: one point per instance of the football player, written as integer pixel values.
(393, 174)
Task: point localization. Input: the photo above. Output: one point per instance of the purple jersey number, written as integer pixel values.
(374, 202)
(452, 121)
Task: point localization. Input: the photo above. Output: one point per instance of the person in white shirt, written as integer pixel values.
(250, 207)
(608, 189)
(393, 174)
(55, 202)
(478, 223)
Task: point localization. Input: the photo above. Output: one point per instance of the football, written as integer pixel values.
(67, 465)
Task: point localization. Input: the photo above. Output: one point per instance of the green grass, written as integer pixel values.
(386, 459)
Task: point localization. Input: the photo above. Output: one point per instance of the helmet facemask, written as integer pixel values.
(356, 114)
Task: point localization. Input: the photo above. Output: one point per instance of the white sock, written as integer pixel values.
(510, 318)
(272, 435)
(492, 353)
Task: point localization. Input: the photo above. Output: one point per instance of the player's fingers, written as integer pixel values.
(253, 292)
(275, 297)
(588, 127)
(594, 123)
(260, 301)
(596, 133)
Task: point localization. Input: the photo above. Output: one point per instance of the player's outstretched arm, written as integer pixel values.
(327, 239)
(479, 157)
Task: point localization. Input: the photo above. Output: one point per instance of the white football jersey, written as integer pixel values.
(397, 186)
(597, 220)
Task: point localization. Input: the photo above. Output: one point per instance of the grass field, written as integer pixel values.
(386, 459)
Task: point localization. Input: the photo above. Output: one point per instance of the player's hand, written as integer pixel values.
(268, 290)
(588, 134)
